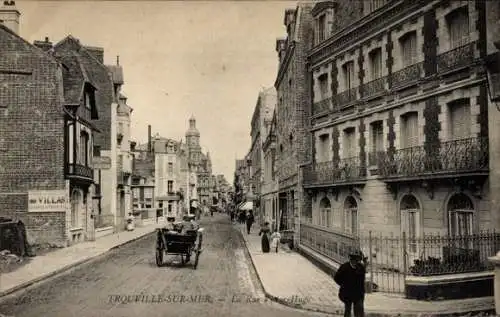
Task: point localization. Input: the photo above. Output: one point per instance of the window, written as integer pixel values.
(321, 28)
(325, 212)
(348, 72)
(120, 128)
(170, 207)
(349, 146)
(458, 27)
(170, 168)
(409, 130)
(376, 63)
(323, 85)
(324, 141)
(460, 125)
(170, 186)
(408, 44)
(87, 100)
(148, 193)
(377, 141)
(84, 149)
(460, 219)
(351, 216)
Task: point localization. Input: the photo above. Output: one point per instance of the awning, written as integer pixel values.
(248, 205)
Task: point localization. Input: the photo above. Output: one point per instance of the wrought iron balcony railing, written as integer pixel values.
(374, 87)
(407, 75)
(375, 157)
(81, 171)
(455, 58)
(454, 157)
(338, 171)
(346, 97)
(322, 106)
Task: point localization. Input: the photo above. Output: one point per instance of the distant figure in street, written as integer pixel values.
(250, 220)
(275, 240)
(264, 231)
(242, 217)
(351, 278)
(232, 215)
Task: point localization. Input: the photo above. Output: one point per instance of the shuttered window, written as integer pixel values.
(460, 127)
(458, 26)
(409, 130)
(348, 72)
(409, 48)
(349, 142)
(376, 63)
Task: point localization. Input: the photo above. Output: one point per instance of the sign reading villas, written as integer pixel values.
(47, 200)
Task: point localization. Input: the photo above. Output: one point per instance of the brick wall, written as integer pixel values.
(31, 134)
(292, 132)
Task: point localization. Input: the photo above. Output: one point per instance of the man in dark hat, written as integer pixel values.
(351, 278)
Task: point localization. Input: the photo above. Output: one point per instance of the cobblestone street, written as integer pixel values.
(127, 282)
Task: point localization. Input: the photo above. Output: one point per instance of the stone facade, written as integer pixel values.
(399, 122)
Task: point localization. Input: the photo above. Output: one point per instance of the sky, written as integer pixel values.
(207, 59)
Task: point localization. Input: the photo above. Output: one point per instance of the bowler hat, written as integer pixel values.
(356, 254)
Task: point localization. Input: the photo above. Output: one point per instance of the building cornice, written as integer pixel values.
(322, 6)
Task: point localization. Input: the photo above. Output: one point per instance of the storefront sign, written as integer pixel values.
(101, 162)
(47, 200)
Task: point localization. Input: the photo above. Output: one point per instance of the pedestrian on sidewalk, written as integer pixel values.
(275, 240)
(351, 278)
(250, 221)
(264, 231)
(232, 215)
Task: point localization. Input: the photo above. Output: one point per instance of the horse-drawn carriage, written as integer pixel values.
(179, 240)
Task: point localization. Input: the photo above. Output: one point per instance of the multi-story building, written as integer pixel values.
(123, 156)
(168, 177)
(143, 183)
(48, 107)
(240, 181)
(261, 120)
(201, 162)
(400, 130)
(269, 189)
(292, 114)
(105, 143)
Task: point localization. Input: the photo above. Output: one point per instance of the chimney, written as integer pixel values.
(45, 45)
(149, 139)
(97, 52)
(9, 15)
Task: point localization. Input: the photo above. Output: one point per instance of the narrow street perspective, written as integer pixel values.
(127, 282)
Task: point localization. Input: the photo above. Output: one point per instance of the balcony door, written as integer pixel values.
(410, 226)
(460, 123)
(458, 26)
(409, 130)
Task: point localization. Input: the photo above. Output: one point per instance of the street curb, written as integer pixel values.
(340, 310)
(68, 267)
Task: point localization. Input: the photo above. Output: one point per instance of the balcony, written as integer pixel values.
(465, 156)
(80, 172)
(346, 98)
(407, 76)
(345, 171)
(374, 88)
(322, 106)
(456, 58)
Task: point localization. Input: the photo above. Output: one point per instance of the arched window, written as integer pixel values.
(351, 215)
(325, 209)
(76, 200)
(410, 221)
(460, 215)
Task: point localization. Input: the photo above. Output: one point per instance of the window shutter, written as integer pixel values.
(460, 121)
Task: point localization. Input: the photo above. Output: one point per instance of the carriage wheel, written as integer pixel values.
(159, 256)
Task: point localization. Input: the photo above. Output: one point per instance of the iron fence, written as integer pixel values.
(392, 258)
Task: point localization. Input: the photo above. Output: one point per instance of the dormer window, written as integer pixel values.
(87, 100)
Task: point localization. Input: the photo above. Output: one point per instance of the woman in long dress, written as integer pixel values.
(264, 231)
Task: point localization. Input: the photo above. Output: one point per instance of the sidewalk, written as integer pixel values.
(291, 279)
(45, 266)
